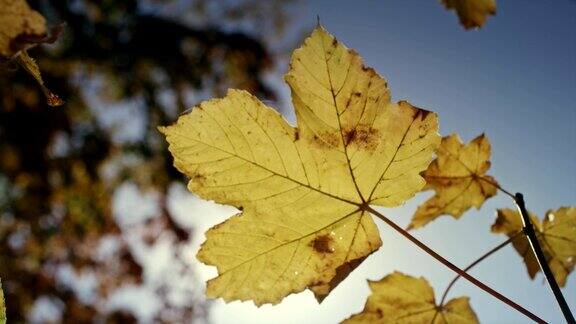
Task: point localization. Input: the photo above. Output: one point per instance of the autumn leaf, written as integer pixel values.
(458, 177)
(472, 13)
(399, 298)
(303, 191)
(19, 27)
(556, 234)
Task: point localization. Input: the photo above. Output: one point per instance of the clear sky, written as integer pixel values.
(515, 80)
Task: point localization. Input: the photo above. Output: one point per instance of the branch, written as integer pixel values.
(473, 264)
(453, 267)
(535, 244)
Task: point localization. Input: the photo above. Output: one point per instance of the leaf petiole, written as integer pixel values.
(508, 193)
(477, 261)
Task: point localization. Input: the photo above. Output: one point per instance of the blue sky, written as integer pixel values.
(515, 80)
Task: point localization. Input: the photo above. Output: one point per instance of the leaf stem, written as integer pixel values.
(495, 184)
(473, 264)
(453, 267)
(535, 245)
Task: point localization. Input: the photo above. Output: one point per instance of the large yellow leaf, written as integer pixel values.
(472, 13)
(19, 26)
(303, 191)
(556, 234)
(399, 298)
(458, 176)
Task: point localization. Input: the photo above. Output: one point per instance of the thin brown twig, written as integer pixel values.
(495, 184)
(473, 264)
(453, 267)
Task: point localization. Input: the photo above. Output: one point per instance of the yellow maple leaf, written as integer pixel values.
(19, 26)
(458, 176)
(472, 13)
(399, 298)
(303, 191)
(556, 234)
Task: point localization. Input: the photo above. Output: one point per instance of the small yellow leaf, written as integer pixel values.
(303, 191)
(19, 26)
(556, 234)
(399, 298)
(458, 176)
(472, 13)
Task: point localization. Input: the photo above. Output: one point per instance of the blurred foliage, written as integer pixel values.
(123, 68)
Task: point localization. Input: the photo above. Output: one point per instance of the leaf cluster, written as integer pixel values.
(304, 192)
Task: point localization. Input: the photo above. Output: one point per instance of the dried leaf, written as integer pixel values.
(19, 27)
(29, 64)
(458, 176)
(302, 191)
(556, 234)
(472, 13)
(399, 298)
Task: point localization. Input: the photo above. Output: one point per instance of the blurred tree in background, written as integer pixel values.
(123, 68)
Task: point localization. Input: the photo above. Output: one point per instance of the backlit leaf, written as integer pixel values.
(472, 13)
(556, 234)
(399, 298)
(458, 177)
(302, 191)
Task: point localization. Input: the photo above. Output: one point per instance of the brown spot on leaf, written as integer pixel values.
(334, 42)
(296, 135)
(326, 140)
(363, 136)
(322, 289)
(322, 244)
(370, 71)
(357, 94)
(349, 136)
(198, 178)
